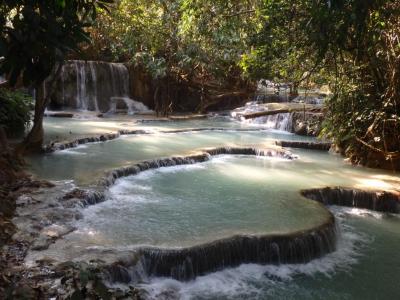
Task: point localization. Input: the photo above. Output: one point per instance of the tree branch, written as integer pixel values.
(243, 12)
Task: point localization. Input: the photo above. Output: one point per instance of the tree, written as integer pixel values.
(281, 50)
(354, 45)
(192, 44)
(35, 38)
(362, 47)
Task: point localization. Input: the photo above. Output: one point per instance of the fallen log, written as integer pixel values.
(267, 113)
(281, 111)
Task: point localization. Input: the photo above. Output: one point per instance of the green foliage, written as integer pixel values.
(35, 38)
(15, 111)
(354, 46)
(362, 49)
(179, 38)
(35, 35)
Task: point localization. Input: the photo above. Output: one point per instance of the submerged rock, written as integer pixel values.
(300, 128)
(59, 114)
(83, 197)
(41, 243)
(323, 146)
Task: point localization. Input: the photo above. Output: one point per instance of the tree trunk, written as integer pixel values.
(34, 140)
(294, 92)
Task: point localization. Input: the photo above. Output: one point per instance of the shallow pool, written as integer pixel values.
(188, 205)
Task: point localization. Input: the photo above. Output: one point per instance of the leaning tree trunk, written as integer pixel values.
(34, 140)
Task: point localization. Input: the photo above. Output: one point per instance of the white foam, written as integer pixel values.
(72, 151)
(280, 121)
(125, 185)
(224, 159)
(182, 168)
(357, 212)
(251, 281)
(127, 181)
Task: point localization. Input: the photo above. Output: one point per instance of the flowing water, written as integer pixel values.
(365, 266)
(132, 106)
(89, 85)
(88, 161)
(189, 205)
(182, 206)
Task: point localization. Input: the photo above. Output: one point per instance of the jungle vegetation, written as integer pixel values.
(222, 47)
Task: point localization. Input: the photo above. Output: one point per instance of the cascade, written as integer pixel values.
(81, 95)
(280, 121)
(90, 85)
(94, 81)
(120, 79)
(188, 263)
(131, 105)
(374, 200)
(135, 169)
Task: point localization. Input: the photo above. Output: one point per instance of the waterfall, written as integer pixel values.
(90, 85)
(375, 200)
(81, 95)
(280, 121)
(110, 178)
(120, 82)
(113, 83)
(188, 263)
(94, 83)
(131, 105)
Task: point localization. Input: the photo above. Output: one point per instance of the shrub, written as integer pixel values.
(15, 111)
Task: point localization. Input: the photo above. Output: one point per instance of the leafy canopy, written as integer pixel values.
(354, 45)
(179, 37)
(35, 35)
